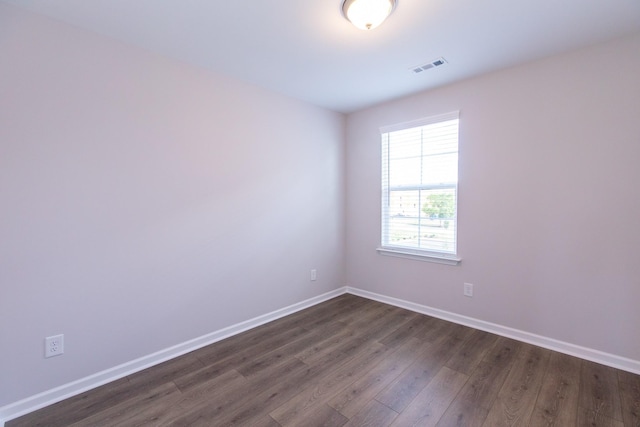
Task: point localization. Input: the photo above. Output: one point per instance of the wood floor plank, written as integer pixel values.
(330, 343)
(410, 382)
(252, 366)
(331, 310)
(355, 317)
(472, 352)
(387, 321)
(167, 371)
(630, 397)
(517, 397)
(437, 328)
(373, 414)
(78, 407)
(557, 403)
(323, 416)
(244, 351)
(471, 406)
(352, 399)
(324, 312)
(281, 392)
(342, 313)
(455, 330)
(229, 360)
(429, 405)
(354, 337)
(265, 421)
(599, 393)
(229, 346)
(256, 406)
(168, 409)
(139, 410)
(591, 418)
(201, 405)
(278, 372)
(320, 393)
(195, 378)
(415, 326)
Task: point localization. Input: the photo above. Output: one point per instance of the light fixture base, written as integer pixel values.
(367, 14)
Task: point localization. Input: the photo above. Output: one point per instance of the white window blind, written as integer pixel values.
(419, 186)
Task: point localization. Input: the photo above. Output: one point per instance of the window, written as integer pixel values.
(420, 189)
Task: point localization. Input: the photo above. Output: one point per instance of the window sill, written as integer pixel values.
(421, 256)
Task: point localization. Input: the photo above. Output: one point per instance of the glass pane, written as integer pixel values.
(439, 169)
(405, 143)
(404, 171)
(404, 218)
(423, 219)
(438, 224)
(440, 137)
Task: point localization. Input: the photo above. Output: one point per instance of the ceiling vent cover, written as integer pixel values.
(433, 64)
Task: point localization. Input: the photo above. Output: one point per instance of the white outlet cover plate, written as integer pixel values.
(468, 289)
(53, 345)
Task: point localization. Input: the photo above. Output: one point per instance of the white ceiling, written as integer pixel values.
(306, 49)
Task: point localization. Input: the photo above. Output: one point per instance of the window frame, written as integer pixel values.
(443, 257)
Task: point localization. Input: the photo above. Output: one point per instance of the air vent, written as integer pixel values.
(433, 64)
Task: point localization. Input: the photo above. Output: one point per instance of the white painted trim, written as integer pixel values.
(597, 356)
(438, 258)
(49, 397)
(453, 115)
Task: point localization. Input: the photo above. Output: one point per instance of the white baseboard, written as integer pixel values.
(49, 397)
(597, 356)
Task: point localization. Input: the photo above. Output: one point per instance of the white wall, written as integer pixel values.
(146, 202)
(549, 199)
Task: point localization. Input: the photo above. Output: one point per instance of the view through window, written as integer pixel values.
(419, 185)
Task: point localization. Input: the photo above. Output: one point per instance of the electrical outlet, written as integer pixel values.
(468, 290)
(314, 275)
(54, 345)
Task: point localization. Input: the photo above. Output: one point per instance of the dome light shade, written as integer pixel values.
(367, 14)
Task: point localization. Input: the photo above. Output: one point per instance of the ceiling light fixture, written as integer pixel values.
(367, 14)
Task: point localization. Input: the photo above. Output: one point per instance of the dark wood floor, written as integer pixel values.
(355, 362)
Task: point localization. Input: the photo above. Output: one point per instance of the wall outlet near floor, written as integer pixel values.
(54, 345)
(468, 289)
(314, 275)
